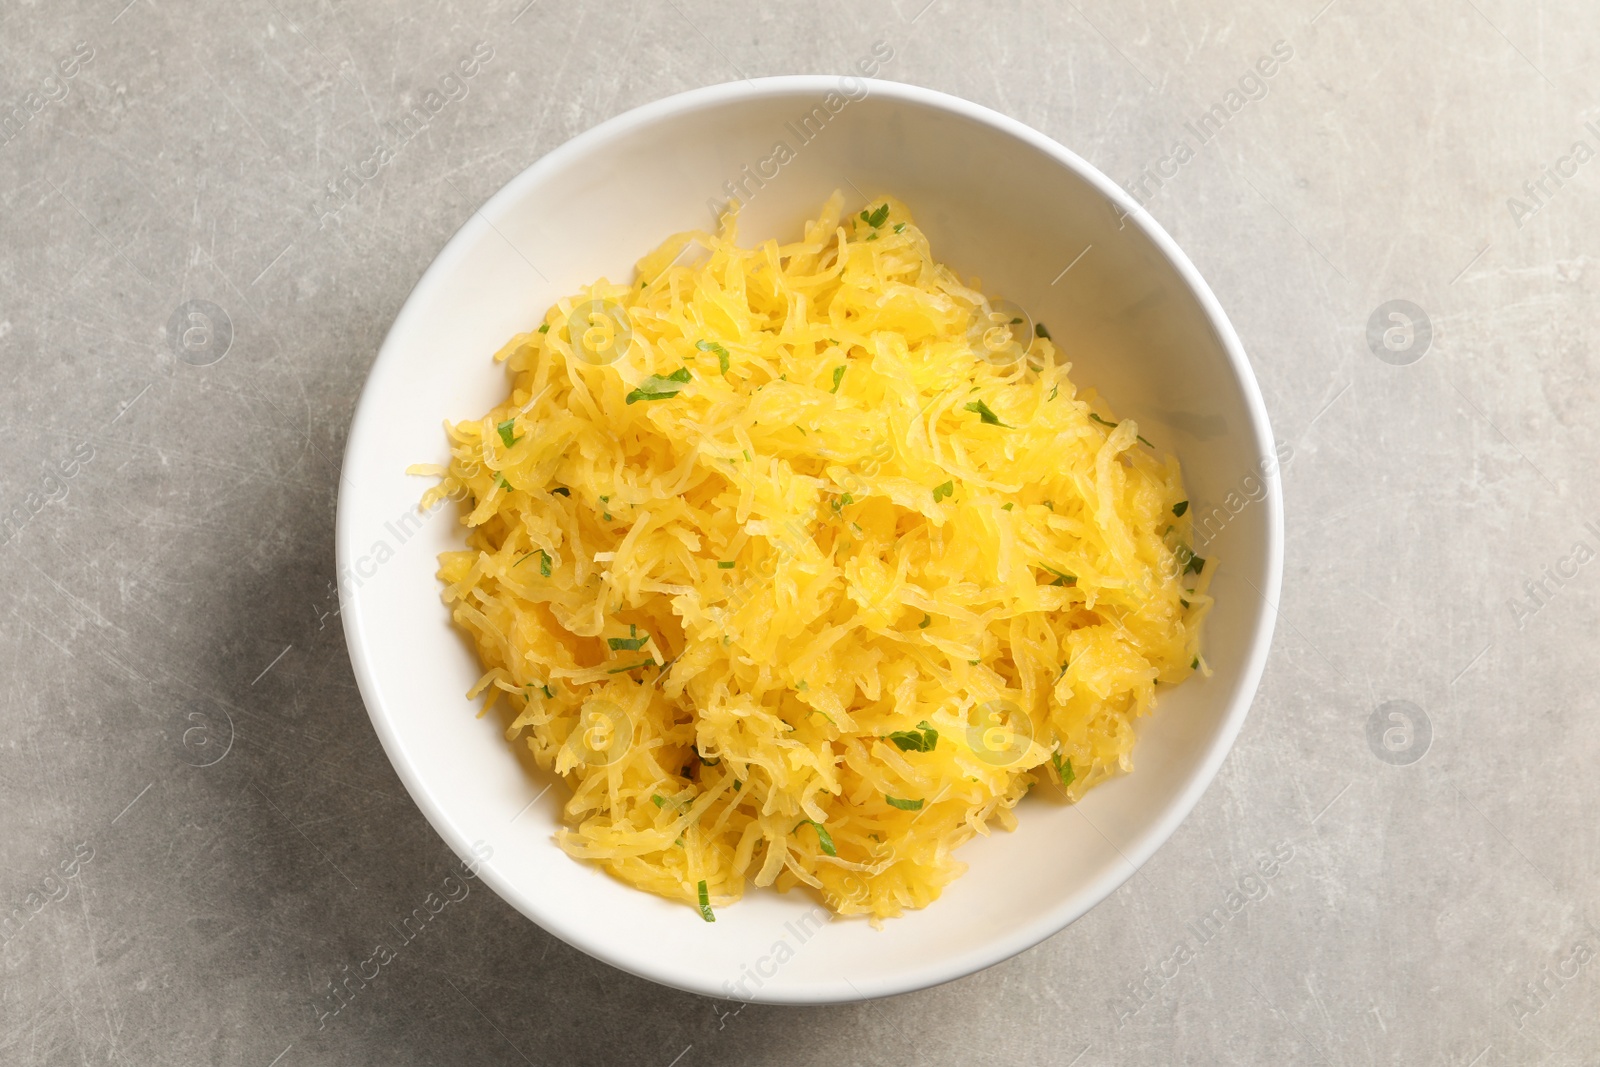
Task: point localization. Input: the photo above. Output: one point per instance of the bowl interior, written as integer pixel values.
(998, 201)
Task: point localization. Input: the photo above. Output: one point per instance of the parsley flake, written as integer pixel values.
(656, 387)
(544, 561)
(983, 412)
(922, 739)
(1064, 769)
(823, 836)
(904, 805)
(1062, 577)
(712, 346)
(629, 644)
(878, 216)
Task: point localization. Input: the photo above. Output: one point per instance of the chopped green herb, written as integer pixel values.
(822, 835)
(1064, 665)
(1054, 389)
(803, 686)
(725, 564)
(1184, 602)
(838, 376)
(877, 217)
(942, 491)
(737, 785)
(656, 387)
(636, 666)
(1195, 565)
(1195, 665)
(899, 227)
(872, 236)
(506, 434)
(926, 619)
(705, 903)
(1007, 506)
(904, 805)
(712, 346)
(1180, 507)
(1062, 577)
(545, 328)
(1040, 331)
(661, 801)
(1114, 425)
(1064, 769)
(561, 490)
(922, 739)
(985, 414)
(630, 644)
(544, 563)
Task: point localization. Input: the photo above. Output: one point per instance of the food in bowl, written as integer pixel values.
(803, 564)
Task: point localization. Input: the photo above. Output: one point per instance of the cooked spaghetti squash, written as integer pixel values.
(801, 564)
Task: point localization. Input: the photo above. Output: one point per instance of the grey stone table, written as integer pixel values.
(201, 247)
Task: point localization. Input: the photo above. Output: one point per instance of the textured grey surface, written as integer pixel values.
(182, 732)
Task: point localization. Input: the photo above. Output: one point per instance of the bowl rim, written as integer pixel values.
(1142, 845)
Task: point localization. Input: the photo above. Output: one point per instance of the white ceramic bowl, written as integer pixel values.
(998, 200)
